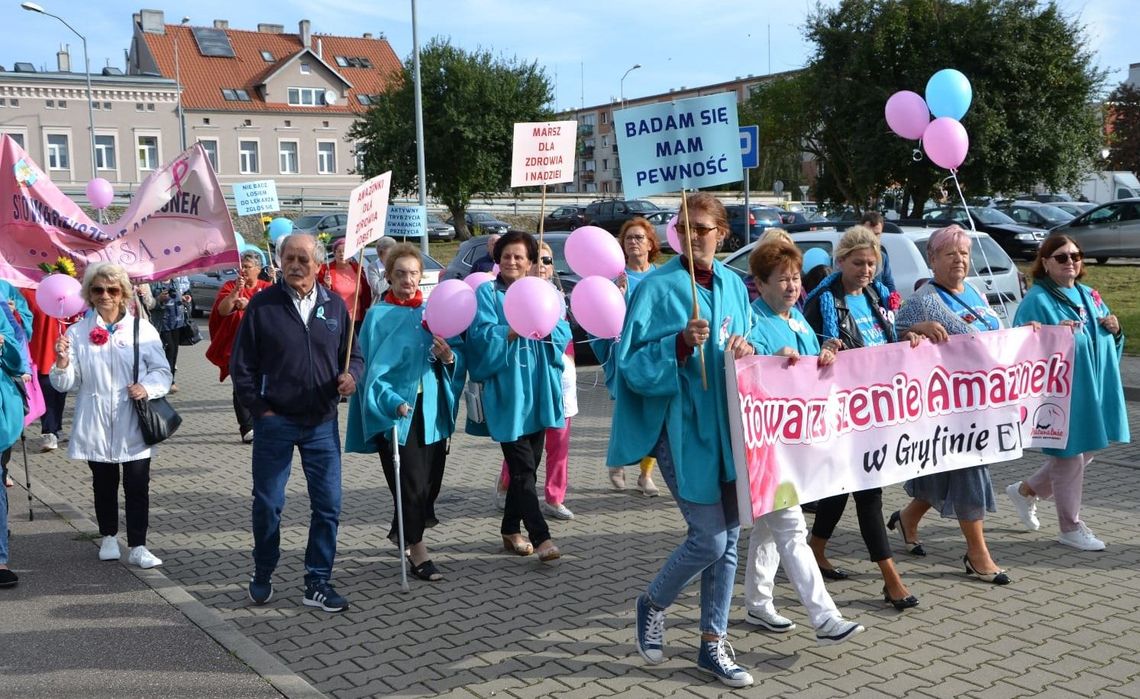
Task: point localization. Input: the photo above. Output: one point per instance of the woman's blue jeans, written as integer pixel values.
(709, 550)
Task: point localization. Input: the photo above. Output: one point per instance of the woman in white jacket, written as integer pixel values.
(95, 359)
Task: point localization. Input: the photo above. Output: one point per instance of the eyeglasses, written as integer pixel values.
(639, 238)
(701, 231)
(1061, 257)
(546, 260)
(108, 290)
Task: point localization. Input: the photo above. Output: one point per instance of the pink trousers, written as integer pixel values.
(1063, 480)
(557, 458)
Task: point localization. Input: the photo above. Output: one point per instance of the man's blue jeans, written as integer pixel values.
(275, 437)
(709, 550)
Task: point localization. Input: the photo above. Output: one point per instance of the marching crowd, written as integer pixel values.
(328, 332)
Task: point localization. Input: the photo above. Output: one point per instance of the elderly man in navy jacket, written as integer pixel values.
(287, 369)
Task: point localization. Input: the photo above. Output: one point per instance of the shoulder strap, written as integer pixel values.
(136, 370)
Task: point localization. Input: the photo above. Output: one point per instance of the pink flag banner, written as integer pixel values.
(886, 414)
(177, 223)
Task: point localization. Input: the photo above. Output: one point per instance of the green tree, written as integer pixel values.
(471, 101)
(775, 107)
(1033, 119)
(1123, 106)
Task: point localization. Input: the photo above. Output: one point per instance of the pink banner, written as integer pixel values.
(887, 414)
(177, 223)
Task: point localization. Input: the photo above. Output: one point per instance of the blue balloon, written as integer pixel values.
(279, 227)
(240, 241)
(814, 258)
(948, 94)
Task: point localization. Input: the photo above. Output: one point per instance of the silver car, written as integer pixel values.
(1109, 230)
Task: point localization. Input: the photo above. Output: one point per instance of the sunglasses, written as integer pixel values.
(1062, 258)
(108, 290)
(701, 231)
(546, 260)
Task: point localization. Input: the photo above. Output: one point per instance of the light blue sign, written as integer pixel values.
(750, 146)
(685, 144)
(256, 197)
(406, 221)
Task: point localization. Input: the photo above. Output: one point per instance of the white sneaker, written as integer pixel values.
(837, 630)
(771, 621)
(48, 442)
(1026, 506)
(247, 437)
(558, 511)
(1081, 539)
(109, 549)
(143, 558)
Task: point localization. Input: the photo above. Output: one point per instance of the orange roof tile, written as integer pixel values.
(204, 77)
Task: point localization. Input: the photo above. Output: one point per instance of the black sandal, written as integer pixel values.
(425, 571)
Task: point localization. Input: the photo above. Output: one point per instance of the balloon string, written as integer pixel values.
(985, 258)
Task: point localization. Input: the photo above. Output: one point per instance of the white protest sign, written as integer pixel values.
(256, 197)
(406, 222)
(543, 153)
(367, 212)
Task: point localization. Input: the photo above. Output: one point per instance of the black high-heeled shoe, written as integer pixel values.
(998, 578)
(914, 548)
(900, 604)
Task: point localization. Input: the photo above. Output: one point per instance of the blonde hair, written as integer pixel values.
(110, 272)
(772, 235)
(858, 238)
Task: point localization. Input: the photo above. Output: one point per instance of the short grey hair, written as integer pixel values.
(251, 256)
(320, 253)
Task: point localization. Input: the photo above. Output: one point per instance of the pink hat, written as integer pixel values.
(338, 244)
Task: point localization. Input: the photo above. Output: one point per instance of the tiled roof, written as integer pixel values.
(204, 77)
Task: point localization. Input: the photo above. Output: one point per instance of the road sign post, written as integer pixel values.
(750, 158)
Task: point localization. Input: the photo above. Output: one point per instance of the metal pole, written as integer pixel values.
(747, 210)
(178, 87)
(421, 168)
(90, 108)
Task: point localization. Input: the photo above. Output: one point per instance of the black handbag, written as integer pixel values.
(189, 334)
(157, 417)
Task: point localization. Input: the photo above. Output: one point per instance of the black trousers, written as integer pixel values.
(522, 457)
(418, 463)
(136, 498)
(868, 508)
(170, 347)
(244, 417)
(52, 420)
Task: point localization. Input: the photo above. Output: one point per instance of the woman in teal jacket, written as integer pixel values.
(522, 393)
(661, 408)
(13, 366)
(412, 382)
(1097, 413)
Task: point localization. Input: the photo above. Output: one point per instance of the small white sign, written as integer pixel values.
(406, 222)
(543, 153)
(367, 212)
(256, 197)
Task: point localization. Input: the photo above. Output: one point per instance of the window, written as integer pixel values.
(150, 106)
(306, 69)
(205, 121)
(248, 157)
(604, 117)
(106, 106)
(18, 138)
(104, 152)
(235, 95)
(287, 150)
(14, 102)
(288, 123)
(365, 99)
(605, 163)
(58, 151)
(306, 96)
(211, 148)
(148, 152)
(2, 101)
(342, 61)
(140, 107)
(605, 141)
(62, 104)
(358, 154)
(49, 104)
(267, 56)
(326, 157)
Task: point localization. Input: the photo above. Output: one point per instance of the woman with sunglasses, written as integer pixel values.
(663, 407)
(1097, 414)
(95, 359)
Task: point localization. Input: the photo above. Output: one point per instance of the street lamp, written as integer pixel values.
(178, 85)
(33, 7)
(622, 89)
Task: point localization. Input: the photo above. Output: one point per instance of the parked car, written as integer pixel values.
(334, 223)
(564, 218)
(1035, 214)
(1018, 241)
(1076, 208)
(660, 220)
(759, 218)
(204, 289)
(992, 271)
(438, 229)
(1109, 230)
(482, 223)
(612, 213)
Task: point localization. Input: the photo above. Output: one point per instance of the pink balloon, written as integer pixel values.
(100, 193)
(477, 279)
(532, 308)
(450, 308)
(674, 238)
(946, 142)
(57, 294)
(593, 251)
(495, 270)
(598, 306)
(907, 114)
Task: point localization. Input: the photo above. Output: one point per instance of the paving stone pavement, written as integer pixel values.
(509, 626)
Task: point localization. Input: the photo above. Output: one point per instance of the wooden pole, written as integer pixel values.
(693, 282)
(541, 216)
(355, 304)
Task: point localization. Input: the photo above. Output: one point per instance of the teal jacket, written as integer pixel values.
(398, 369)
(11, 293)
(1097, 411)
(522, 379)
(12, 367)
(776, 333)
(653, 391)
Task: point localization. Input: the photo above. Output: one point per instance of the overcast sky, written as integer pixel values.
(585, 46)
